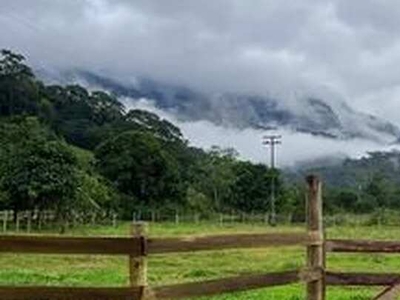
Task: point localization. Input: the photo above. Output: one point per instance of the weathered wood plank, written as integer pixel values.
(315, 251)
(367, 246)
(389, 293)
(63, 293)
(168, 245)
(361, 279)
(70, 245)
(226, 285)
(138, 264)
(132, 246)
(309, 275)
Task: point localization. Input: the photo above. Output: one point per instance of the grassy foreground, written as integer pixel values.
(85, 270)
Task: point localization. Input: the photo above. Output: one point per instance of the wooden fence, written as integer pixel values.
(138, 246)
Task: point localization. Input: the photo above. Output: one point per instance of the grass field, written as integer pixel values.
(167, 269)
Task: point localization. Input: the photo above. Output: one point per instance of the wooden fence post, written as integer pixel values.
(5, 220)
(138, 264)
(114, 220)
(315, 249)
(93, 218)
(17, 222)
(134, 218)
(29, 222)
(40, 217)
(266, 218)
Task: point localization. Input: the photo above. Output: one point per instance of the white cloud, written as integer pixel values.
(295, 148)
(223, 45)
(347, 48)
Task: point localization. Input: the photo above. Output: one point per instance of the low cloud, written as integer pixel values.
(262, 46)
(295, 148)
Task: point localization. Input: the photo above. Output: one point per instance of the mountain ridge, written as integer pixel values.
(311, 115)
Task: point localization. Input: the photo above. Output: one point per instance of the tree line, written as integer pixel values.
(69, 149)
(366, 185)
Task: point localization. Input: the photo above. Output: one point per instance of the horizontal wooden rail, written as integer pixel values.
(218, 242)
(367, 246)
(63, 293)
(70, 245)
(389, 293)
(193, 289)
(362, 279)
(226, 285)
(132, 246)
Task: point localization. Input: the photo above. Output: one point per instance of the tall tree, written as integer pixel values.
(215, 176)
(37, 171)
(251, 187)
(140, 168)
(18, 90)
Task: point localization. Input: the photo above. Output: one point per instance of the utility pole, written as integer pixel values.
(272, 141)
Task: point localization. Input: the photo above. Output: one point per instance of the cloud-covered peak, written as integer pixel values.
(350, 47)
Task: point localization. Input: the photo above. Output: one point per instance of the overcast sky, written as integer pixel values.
(351, 47)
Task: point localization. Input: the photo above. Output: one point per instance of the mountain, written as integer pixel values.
(351, 172)
(331, 118)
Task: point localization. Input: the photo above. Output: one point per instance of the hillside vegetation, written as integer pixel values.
(368, 184)
(69, 149)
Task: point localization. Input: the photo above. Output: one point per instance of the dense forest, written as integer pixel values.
(68, 149)
(368, 184)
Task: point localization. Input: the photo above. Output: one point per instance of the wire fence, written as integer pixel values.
(35, 220)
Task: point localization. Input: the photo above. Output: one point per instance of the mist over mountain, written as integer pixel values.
(330, 118)
(168, 103)
(324, 74)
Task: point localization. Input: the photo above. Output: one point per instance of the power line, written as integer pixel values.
(272, 141)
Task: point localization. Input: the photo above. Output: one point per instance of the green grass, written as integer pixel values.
(86, 270)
